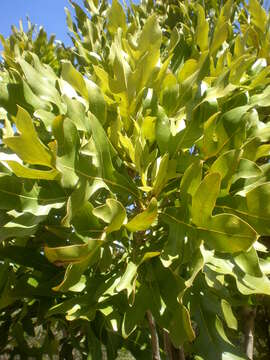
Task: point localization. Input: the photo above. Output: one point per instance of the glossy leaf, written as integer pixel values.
(145, 219)
(67, 143)
(113, 213)
(204, 199)
(202, 29)
(28, 146)
(116, 18)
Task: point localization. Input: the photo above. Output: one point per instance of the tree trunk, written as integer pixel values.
(249, 323)
(154, 336)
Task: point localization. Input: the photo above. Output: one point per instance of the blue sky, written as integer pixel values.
(48, 13)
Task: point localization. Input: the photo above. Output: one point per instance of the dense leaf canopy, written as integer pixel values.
(135, 179)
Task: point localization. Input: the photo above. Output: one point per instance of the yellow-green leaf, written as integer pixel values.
(69, 254)
(204, 199)
(113, 213)
(145, 219)
(28, 145)
(116, 18)
(258, 15)
(28, 173)
(202, 29)
(74, 78)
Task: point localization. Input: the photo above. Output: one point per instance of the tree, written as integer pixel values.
(134, 181)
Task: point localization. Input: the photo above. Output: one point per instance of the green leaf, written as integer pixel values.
(128, 146)
(258, 15)
(223, 232)
(246, 283)
(226, 165)
(74, 272)
(158, 113)
(171, 289)
(184, 332)
(23, 195)
(204, 199)
(191, 179)
(103, 148)
(254, 208)
(20, 225)
(28, 145)
(162, 175)
(262, 99)
(188, 69)
(247, 169)
(105, 170)
(46, 117)
(150, 36)
(202, 29)
(145, 219)
(74, 78)
(121, 83)
(28, 173)
(128, 279)
(80, 211)
(220, 35)
(170, 96)
(69, 254)
(163, 132)
(136, 313)
(186, 138)
(212, 342)
(179, 247)
(228, 233)
(113, 213)
(116, 18)
(97, 103)
(3, 274)
(258, 200)
(26, 257)
(68, 143)
(249, 262)
(94, 345)
(230, 319)
(43, 86)
(76, 112)
(148, 128)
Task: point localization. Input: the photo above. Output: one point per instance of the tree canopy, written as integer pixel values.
(135, 183)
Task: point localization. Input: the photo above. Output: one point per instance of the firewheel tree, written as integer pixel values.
(135, 183)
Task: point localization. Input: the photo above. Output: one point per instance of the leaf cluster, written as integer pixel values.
(134, 177)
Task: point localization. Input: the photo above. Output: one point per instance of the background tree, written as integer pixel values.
(134, 181)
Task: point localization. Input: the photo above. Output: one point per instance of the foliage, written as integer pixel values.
(134, 177)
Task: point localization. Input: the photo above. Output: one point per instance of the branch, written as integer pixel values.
(167, 345)
(250, 315)
(154, 336)
(172, 353)
(181, 353)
